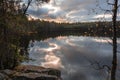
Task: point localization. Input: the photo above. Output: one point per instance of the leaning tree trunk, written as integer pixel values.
(114, 61)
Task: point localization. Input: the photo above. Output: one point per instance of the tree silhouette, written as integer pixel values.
(114, 62)
(114, 28)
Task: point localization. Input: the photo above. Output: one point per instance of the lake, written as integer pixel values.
(76, 56)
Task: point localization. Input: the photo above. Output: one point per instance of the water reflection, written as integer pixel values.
(73, 55)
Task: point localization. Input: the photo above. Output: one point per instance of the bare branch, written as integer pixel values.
(112, 44)
(118, 6)
(109, 42)
(109, 3)
(106, 10)
(30, 1)
(28, 4)
(99, 66)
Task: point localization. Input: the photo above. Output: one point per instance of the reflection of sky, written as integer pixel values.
(73, 56)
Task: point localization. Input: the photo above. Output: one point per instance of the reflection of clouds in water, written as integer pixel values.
(52, 61)
(42, 53)
(105, 40)
(95, 45)
(61, 38)
(70, 43)
(54, 46)
(72, 55)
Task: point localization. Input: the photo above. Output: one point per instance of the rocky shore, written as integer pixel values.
(30, 72)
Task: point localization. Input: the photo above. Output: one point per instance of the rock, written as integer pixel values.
(37, 69)
(8, 72)
(30, 72)
(34, 76)
(29, 68)
(3, 76)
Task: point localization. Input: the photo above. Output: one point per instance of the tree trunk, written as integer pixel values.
(114, 61)
(28, 4)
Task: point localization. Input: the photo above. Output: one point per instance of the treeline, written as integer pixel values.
(51, 29)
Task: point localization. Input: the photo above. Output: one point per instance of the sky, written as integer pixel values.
(72, 10)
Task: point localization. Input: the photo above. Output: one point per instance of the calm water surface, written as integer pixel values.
(74, 56)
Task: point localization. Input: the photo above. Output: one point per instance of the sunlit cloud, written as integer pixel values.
(52, 9)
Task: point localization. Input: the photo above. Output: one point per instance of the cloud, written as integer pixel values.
(41, 11)
(60, 10)
(71, 10)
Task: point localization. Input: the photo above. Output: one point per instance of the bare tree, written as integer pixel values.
(30, 1)
(114, 61)
(114, 11)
